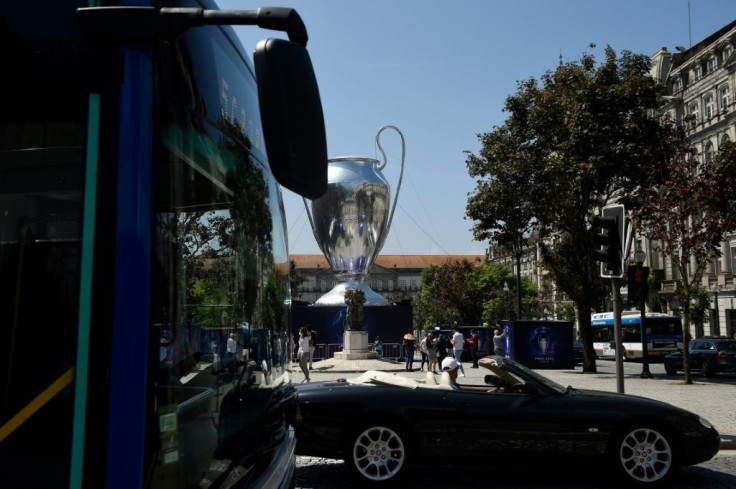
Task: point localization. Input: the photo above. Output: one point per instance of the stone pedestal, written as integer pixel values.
(355, 346)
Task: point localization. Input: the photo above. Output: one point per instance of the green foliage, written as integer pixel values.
(687, 208)
(469, 294)
(571, 140)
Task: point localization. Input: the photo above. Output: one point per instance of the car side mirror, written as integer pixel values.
(291, 115)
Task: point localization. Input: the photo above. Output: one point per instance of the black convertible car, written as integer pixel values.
(382, 423)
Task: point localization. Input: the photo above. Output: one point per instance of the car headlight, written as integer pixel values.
(705, 423)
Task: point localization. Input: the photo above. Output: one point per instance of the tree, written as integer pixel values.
(296, 279)
(687, 210)
(571, 143)
(466, 293)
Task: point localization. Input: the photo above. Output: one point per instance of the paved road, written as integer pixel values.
(719, 473)
(711, 398)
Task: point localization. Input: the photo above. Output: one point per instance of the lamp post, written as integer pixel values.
(639, 257)
(506, 300)
(716, 288)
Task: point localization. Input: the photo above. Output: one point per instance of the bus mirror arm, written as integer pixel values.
(144, 24)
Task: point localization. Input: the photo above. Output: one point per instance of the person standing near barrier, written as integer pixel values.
(408, 343)
(431, 353)
(423, 351)
(498, 338)
(312, 335)
(458, 342)
(378, 346)
(304, 352)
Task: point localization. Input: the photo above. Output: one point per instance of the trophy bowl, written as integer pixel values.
(351, 220)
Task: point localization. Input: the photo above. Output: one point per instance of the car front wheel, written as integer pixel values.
(644, 456)
(378, 454)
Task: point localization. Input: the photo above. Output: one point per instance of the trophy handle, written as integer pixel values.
(309, 215)
(401, 174)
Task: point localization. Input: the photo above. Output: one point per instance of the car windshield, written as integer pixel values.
(526, 373)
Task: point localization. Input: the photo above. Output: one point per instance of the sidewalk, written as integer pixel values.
(713, 398)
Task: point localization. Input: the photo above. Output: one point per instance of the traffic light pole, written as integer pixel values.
(616, 294)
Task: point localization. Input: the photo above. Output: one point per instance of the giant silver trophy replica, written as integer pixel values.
(350, 223)
(352, 219)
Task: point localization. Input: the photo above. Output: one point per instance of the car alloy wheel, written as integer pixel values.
(645, 456)
(378, 454)
(708, 369)
(669, 368)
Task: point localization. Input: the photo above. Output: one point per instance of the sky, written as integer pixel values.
(440, 71)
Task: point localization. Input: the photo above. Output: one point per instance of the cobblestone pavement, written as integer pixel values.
(711, 398)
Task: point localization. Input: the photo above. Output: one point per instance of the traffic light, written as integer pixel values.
(638, 284)
(609, 235)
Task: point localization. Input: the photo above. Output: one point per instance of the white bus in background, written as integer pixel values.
(664, 334)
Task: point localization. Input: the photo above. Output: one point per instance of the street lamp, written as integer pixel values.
(639, 257)
(716, 288)
(506, 300)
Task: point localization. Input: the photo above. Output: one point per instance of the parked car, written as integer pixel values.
(708, 355)
(382, 423)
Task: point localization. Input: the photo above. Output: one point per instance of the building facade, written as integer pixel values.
(395, 277)
(699, 82)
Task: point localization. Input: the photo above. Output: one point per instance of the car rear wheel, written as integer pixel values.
(644, 456)
(378, 453)
(669, 368)
(708, 369)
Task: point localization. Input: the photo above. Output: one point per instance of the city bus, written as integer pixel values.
(664, 335)
(142, 155)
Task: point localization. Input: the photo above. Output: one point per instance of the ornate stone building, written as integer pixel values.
(395, 277)
(700, 82)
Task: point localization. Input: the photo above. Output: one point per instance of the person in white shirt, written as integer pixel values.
(458, 341)
(232, 353)
(304, 352)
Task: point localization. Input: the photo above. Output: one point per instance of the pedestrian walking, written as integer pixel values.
(458, 343)
(312, 335)
(473, 343)
(304, 352)
(441, 348)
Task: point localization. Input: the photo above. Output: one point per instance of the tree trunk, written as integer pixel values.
(586, 336)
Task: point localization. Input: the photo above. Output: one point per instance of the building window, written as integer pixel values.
(380, 284)
(725, 98)
(413, 284)
(402, 284)
(323, 285)
(694, 111)
(727, 50)
(697, 72)
(677, 85)
(712, 63)
(390, 285)
(724, 141)
(709, 152)
(709, 106)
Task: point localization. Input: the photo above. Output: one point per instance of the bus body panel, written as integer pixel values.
(143, 264)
